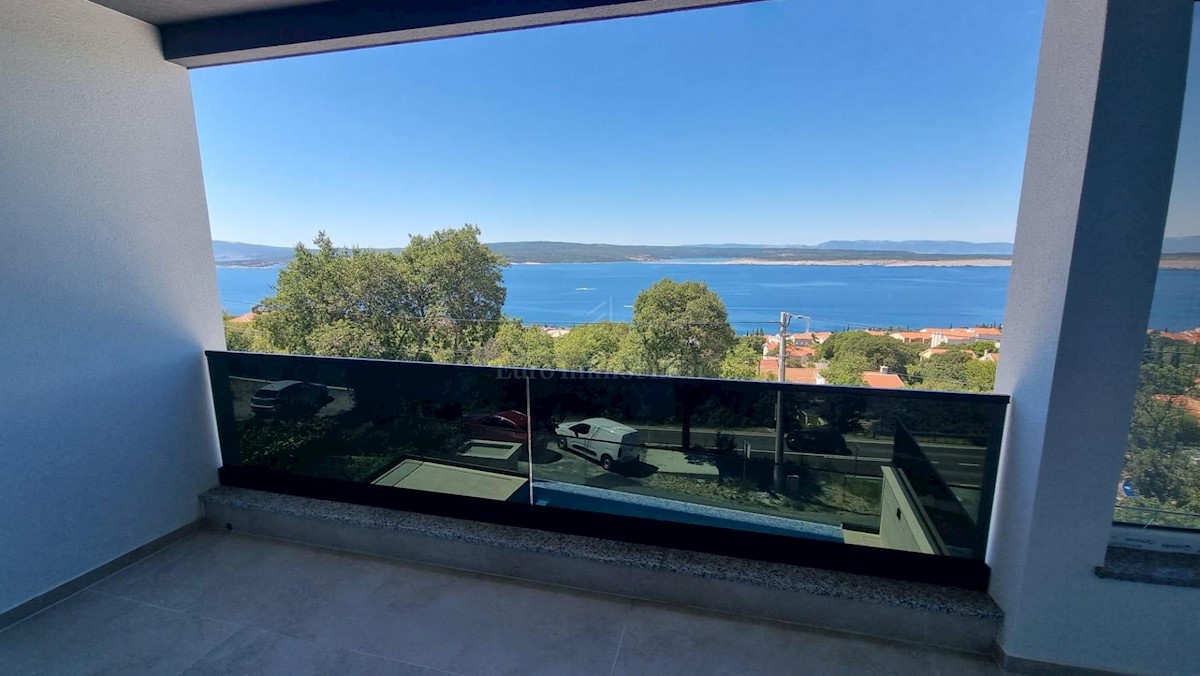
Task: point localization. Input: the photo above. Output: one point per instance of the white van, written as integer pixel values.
(600, 439)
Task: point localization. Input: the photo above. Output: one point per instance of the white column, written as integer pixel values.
(1093, 206)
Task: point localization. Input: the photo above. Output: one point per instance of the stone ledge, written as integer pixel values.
(1140, 565)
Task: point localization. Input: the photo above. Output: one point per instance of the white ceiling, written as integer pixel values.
(172, 11)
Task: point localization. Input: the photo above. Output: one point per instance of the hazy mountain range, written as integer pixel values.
(239, 253)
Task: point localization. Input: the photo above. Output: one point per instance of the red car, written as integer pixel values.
(510, 426)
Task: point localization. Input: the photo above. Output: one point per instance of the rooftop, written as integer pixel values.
(770, 366)
(913, 336)
(1192, 336)
(884, 380)
(244, 319)
(770, 350)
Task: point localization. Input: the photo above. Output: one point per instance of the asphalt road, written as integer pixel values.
(958, 465)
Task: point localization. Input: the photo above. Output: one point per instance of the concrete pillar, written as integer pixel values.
(1097, 184)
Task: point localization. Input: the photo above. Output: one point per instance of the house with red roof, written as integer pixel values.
(798, 352)
(913, 337)
(769, 366)
(882, 379)
(949, 337)
(1192, 336)
(962, 336)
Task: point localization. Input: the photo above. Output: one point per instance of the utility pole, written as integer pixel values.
(784, 319)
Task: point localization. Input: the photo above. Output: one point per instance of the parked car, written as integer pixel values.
(289, 397)
(606, 441)
(509, 426)
(823, 441)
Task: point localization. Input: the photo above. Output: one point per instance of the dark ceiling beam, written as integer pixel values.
(349, 24)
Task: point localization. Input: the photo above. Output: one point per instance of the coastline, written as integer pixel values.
(983, 262)
(883, 263)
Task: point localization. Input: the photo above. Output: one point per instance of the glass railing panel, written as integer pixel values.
(711, 452)
(676, 449)
(458, 430)
(893, 469)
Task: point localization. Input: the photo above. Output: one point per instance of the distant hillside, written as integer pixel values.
(863, 251)
(1173, 245)
(239, 252)
(570, 252)
(925, 246)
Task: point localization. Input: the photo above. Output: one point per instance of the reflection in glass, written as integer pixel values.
(706, 451)
(443, 429)
(898, 469)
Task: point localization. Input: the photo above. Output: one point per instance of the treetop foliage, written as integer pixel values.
(436, 299)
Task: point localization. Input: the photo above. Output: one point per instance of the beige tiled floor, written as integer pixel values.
(219, 603)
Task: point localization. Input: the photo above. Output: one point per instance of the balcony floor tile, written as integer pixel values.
(665, 640)
(94, 633)
(220, 603)
(264, 653)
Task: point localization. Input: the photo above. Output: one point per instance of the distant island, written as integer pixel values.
(1182, 253)
(570, 252)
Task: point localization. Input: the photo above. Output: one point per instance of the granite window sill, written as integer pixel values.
(1139, 565)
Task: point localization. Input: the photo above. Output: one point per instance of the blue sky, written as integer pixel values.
(790, 121)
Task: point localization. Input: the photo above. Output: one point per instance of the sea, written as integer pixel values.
(834, 297)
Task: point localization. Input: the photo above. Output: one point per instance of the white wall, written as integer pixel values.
(107, 295)
(1093, 205)
(899, 522)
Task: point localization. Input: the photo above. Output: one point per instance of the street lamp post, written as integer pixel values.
(785, 319)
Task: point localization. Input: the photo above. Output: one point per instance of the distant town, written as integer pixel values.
(800, 348)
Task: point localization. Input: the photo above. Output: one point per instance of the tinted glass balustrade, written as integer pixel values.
(895, 469)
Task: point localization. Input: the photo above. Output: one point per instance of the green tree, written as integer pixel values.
(981, 375)
(679, 328)
(456, 285)
(346, 338)
(1160, 455)
(437, 299)
(518, 345)
(954, 370)
(1167, 352)
(979, 347)
(592, 347)
(878, 351)
(239, 337)
(846, 370)
(741, 361)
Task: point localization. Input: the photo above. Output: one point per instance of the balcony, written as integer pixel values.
(157, 519)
